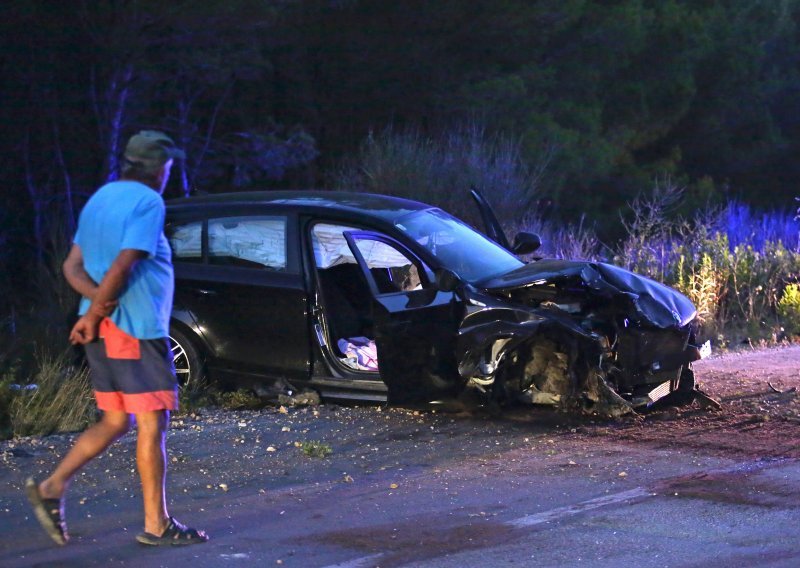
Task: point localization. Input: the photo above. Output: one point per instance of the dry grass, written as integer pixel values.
(62, 401)
(197, 395)
(241, 399)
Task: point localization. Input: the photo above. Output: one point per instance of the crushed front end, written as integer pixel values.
(579, 335)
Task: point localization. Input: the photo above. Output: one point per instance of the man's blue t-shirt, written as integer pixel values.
(130, 215)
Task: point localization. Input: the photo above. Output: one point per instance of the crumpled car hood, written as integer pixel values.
(656, 303)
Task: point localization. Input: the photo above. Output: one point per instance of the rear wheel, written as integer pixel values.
(189, 367)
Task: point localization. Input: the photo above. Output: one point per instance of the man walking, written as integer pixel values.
(124, 325)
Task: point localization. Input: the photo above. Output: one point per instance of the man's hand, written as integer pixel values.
(103, 310)
(85, 330)
(104, 295)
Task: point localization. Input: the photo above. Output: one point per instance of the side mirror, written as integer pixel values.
(526, 243)
(447, 280)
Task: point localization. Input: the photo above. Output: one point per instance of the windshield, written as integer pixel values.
(457, 246)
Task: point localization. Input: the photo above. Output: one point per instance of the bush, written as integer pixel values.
(789, 309)
(743, 226)
(755, 279)
(441, 171)
(702, 284)
(651, 233)
(560, 240)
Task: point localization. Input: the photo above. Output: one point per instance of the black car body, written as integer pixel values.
(373, 297)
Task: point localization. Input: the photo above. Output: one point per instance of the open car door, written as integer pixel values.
(415, 324)
(524, 243)
(491, 225)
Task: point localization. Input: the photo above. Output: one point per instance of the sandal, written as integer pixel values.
(49, 512)
(174, 534)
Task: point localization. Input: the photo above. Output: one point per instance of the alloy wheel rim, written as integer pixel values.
(180, 360)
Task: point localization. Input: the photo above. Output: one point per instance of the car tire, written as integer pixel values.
(189, 364)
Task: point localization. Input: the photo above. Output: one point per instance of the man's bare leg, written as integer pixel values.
(91, 443)
(151, 459)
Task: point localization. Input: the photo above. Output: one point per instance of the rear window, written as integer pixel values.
(244, 241)
(186, 241)
(255, 242)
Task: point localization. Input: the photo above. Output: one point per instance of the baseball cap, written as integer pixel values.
(152, 146)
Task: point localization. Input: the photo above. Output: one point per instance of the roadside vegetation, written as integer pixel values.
(60, 401)
(740, 268)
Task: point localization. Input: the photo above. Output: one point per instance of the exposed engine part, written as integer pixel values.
(548, 379)
(601, 399)
(489, 364)
(535, 396)
(548, 369)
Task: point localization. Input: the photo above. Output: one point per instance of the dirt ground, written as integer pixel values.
(755, 421)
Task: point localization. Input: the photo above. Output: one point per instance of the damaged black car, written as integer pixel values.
(372, 297)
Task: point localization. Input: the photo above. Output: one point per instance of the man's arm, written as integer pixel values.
(105, 295)
(76, 274)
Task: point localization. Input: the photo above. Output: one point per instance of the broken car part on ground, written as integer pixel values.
(373, 297)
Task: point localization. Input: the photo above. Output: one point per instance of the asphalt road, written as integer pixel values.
(410, 488)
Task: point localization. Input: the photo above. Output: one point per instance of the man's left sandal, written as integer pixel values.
(175, 534)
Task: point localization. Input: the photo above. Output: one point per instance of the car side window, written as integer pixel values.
(391, 269)
(186, 241)
(252, 242)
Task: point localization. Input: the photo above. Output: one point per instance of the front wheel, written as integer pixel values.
(189, 367)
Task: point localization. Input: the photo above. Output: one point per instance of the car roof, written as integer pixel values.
(312, 201)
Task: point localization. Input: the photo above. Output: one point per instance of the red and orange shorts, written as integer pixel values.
(129, 374)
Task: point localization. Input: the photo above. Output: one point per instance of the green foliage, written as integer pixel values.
(789, 309)
(698, 264)
(702, 284)
(315, 449)
(751, 281)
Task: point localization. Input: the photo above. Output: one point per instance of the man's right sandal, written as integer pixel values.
(175, 534)
(49, 512)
